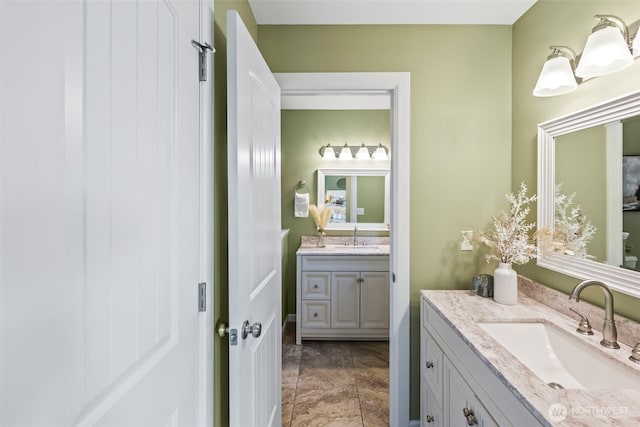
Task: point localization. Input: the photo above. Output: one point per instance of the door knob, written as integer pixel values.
(470, 417)
(223, 329)
(255, 330)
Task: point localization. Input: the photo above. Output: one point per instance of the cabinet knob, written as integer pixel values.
(471, 418)
(429, 364)
(430, 419)
(315, 286)
(315, 314)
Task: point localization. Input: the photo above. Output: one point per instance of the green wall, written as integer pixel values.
(460, 133)
(369, 190)
(303, 132)
(587, 179)
(568, 23)
(631, 220)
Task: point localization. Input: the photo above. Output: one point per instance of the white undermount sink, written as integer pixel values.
(559, 358)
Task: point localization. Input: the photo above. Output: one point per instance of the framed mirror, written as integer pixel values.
(357, 196)
(583, 152)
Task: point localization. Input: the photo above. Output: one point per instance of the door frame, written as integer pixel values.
(205, 319)
(397, 87)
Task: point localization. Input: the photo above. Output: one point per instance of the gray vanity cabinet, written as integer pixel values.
(342, 297)
(456, 387)
(447, 399)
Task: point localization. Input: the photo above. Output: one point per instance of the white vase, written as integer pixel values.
(505, 284)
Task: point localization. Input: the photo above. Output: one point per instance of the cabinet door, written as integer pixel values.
(463, 407)
(433, 415)
(374, 300)
(345, 300)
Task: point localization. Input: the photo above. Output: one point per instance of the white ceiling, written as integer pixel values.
(319, 12)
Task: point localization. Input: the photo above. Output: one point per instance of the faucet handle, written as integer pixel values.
(584, 327)
(635, 354)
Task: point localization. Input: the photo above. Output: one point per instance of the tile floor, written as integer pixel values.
(334, 383)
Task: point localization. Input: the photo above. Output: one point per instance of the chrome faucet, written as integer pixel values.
(355, 235)
(609, 331)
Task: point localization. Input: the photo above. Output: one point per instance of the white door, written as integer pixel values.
(99, 214)
(254, 232)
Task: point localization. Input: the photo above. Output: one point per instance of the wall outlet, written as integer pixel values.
(360, 211)
(467, 241)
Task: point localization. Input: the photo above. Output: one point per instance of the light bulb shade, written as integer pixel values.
(363, 153)
(606, 52)
(345, 153)
(636, 44)
(380, 154)
(328, 154)
(556, 78)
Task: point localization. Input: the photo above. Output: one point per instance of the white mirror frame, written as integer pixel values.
(613, 111)
(364, 226)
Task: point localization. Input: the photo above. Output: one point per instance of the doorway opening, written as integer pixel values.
(393, 90)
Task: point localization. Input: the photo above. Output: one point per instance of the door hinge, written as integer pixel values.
(202, 55)
(202, 296)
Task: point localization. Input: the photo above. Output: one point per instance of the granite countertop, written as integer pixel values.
(344, 246)
(462, 310)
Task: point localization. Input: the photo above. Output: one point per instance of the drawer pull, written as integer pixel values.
(430, 419)
(429, 364)
(315, 314)
(315, 286)
(471, 418)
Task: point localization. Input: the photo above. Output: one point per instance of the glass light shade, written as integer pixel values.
(363, 153)
(380, 154)
(606, 52)
(556, 78)
(636, 44)
(345, 153)
(329, 154)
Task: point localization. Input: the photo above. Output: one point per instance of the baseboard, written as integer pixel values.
(414, 423)
(290, 318)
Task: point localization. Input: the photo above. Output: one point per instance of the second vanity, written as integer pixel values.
(342, 290)
(470, 378)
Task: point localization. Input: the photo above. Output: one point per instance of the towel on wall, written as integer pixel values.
(301, 205)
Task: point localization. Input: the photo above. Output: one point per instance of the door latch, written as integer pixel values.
(223, 329)
(202, 55)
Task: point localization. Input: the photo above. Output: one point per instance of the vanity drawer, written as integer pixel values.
(315, 314)
(432, 364)
(316, 285)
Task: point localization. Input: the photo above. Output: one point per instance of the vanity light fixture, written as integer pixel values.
(362, 152)
(380, 153)
(327, 152)
(607, 49)
(556, 77)
(345, 153)
(635, 47)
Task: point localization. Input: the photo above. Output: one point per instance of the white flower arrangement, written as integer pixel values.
(509, 239)
(571, 232)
